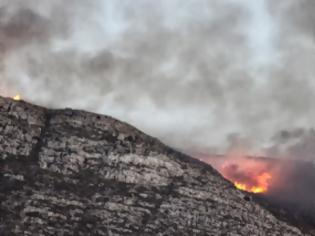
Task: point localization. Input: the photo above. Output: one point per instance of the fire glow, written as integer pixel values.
(250, 175)
(17, 97)
(261, 187)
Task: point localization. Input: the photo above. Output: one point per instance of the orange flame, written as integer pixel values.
(17, 97)
(248, 174)
(261, 187)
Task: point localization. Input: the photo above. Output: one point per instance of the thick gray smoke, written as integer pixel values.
(204, 76)
(293, 77)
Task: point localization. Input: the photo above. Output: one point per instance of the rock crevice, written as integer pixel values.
(34, 153)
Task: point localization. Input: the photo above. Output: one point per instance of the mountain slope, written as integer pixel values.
(66, 172)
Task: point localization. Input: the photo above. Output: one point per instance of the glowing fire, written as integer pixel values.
(261, 187)
(248, 174)
(17, 97)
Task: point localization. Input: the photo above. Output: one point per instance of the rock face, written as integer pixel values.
(66, 172)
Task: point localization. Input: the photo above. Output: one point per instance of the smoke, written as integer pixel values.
(293, 78)
(206, 76)
(294, 144)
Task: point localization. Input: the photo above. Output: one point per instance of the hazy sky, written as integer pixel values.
(203, 76)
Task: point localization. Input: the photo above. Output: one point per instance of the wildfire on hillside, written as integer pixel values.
(248, 174)
(261, 185)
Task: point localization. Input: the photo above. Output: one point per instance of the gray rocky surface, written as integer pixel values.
(66, 172)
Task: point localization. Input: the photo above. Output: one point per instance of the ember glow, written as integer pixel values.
(17, 97)
(253, 175)
(261, 187)
(250, 176)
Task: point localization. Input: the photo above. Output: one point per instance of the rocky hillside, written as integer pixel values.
(66, 172)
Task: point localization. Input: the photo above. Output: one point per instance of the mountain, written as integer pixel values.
(69, 172)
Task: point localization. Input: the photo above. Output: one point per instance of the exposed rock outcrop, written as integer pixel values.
(66, 172)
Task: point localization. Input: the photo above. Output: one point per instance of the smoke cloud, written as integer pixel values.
(206, 76)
